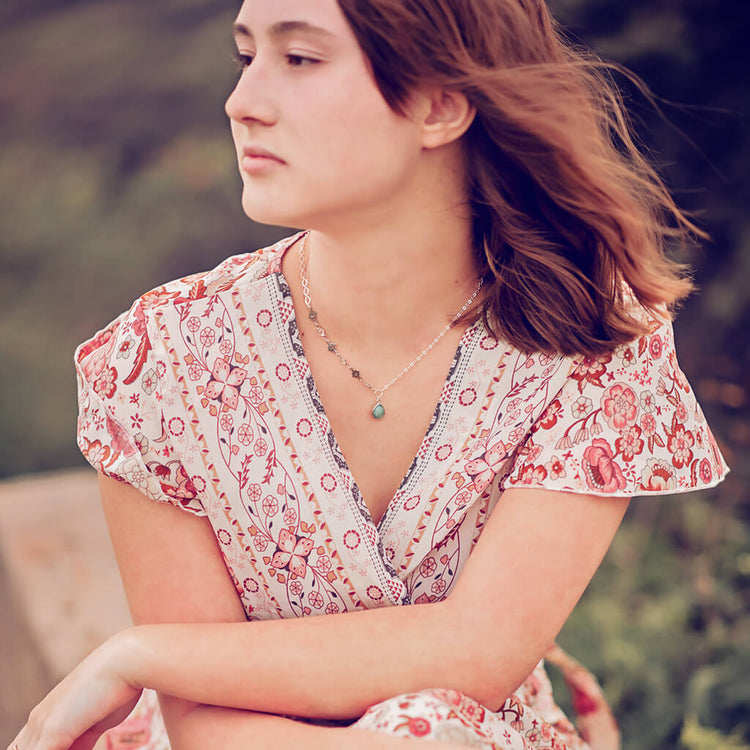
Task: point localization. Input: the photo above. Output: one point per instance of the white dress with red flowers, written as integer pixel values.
(200, 396)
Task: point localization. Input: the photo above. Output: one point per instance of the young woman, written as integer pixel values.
(401, 440)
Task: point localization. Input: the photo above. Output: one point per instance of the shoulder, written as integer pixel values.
(131, 333)
(632, 361)
(127, 391)
(234, 272)
(623, 423)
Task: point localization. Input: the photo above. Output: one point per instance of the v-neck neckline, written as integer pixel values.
(330, 443)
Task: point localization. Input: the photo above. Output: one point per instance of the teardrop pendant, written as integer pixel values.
(378, 412)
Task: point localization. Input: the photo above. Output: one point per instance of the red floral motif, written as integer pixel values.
(292, 552)
(483, 470)
(419, 727)
(582, 407)
(601, 471)
(627, 355)
(472, 711)
(149, 381)
(427, 567)
(451, 697)
(119, 439)
(207, 336)
(655, 346)
(629, 444)
(225, 383)
(438, 587)
(352, 539)
(181, 487)
(648, 402)
(658, 476)
(245, 434)
(620, 406)
(680, 412)
(679, 443)
(94, 354)
(533, 736)
(270, 505)
(556, 469)
(551, 415)
(224, 537)
(532, 475)
(95, 453)
(706, 472)
(105, 385)
(138, 327)
(591, 371)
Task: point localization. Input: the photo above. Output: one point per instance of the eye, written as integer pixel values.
(242, 61)
(299, 61)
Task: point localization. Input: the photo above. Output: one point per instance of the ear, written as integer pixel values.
(444, 116)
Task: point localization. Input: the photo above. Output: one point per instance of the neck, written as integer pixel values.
(391, 287)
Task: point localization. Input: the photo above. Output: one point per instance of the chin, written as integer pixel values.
(278, 212)
(263, 213)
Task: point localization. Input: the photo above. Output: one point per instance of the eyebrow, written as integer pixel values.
(283, 28)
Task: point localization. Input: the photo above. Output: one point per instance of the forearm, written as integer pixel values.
(228, 728)
(329, 666)
(234, 729)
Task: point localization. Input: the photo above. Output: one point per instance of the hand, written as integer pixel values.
(94, 697)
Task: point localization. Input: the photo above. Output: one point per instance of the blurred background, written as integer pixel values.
(117, 173)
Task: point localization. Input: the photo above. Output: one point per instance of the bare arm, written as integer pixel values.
(535, 557)
(173, 572)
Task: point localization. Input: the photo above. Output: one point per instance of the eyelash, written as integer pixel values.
(244, 61)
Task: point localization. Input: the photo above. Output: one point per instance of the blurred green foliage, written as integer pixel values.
(117, 173)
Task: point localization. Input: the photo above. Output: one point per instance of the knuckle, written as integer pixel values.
(35, 718)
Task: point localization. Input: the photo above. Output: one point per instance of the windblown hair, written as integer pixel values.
(570, 221)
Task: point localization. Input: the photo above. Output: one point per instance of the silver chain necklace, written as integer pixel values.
(378, 411)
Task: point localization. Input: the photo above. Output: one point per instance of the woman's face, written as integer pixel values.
(306, 95)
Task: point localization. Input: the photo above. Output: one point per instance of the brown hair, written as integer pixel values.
(565, 207)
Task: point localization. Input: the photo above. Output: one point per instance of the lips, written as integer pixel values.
(256, 152)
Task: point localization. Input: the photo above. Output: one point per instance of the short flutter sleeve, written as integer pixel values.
(122, 427)
(624, 424)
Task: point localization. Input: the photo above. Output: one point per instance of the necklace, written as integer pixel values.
(378, 410)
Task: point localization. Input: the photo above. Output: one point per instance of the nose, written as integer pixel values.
(249, 100)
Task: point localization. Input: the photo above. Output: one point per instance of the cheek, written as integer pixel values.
(363, 140)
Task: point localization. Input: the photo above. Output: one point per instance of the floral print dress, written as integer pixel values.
(200, 396)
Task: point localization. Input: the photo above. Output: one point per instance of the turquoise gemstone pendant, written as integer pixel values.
(378, 412)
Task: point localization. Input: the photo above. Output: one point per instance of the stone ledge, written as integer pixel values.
(59, 582)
